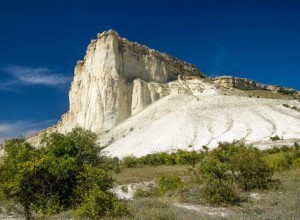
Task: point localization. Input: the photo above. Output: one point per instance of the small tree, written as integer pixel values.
(16, 176)
(59, 175)
(233, 164)
(219, 185)
(252, 172)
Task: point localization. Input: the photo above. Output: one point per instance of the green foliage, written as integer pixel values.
(280, 159)
(231, 165)
(167, 183)
(278, 162)
(252, 172)
(16, 177)
(188, 157)
(275, 138)
(59, 175)
(296, 163)
(124, 189)
(97, 203)
(286, 91)
(130, 161)
(181, 157)
(219, 188)
(286, 105)
(218, 191)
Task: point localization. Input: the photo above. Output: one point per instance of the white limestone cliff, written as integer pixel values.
(139, 101)
(117, 79)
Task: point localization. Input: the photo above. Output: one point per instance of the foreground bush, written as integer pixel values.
(97, 203)
(251, 171)
(219, 188)
(61, 174)
(233, 164)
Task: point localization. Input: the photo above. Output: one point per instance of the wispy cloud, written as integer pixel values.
(33, 76)
(8, 86)
(21, 128)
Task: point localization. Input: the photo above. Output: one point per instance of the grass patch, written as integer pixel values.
(148, 173)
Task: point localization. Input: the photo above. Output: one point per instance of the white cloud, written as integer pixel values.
(21, 128)
(36, 76)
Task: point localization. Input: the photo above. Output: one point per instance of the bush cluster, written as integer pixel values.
(167, 183)
(275, 138)
(65, 172)
(284, 158)
(181, 157)
(231, 166)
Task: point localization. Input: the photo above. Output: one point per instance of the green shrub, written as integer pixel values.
(167, 183)
(188, 157)
(277, 162)
(58, 175)
(286, 91)
(163, 158)
(155, 159)
(97, 203)
(275, 138)
(218, 191)
(231, 165)
(286, 105)
(296, 163)
(124, 189)
(251, 171)
(130, 161)
(219, 188)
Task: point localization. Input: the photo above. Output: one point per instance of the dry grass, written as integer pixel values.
(282, 202)
(148, 173)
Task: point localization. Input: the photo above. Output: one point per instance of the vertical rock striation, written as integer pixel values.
(117, 79)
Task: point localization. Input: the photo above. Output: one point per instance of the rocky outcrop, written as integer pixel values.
(239, 83)
(247, 84)
(163, 102)
(117, 79)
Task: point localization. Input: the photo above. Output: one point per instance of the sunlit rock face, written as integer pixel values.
(140, 101)
(117, 79)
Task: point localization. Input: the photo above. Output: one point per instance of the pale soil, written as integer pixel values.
(130, 189)
(190, 122)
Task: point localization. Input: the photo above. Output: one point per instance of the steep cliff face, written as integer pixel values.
(140, 101)
(117, 79)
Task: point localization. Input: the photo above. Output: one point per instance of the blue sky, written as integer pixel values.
(41, 41)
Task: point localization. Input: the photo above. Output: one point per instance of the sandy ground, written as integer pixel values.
(190, 122)
(127, 191)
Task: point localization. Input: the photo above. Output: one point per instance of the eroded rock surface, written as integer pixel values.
(118, 81)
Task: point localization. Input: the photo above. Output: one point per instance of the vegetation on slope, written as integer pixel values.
(67, 176)
(221, 176)
(65, 172)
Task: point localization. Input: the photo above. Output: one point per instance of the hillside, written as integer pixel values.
(139, 101)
